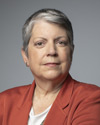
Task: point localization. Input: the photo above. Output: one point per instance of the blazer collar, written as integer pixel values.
(63, 97)
(65, 93)
(59, 109)
(27, 96)
(24, 104)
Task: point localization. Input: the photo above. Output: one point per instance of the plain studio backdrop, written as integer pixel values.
(85, 18)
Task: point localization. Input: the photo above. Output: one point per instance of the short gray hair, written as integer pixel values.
(51, 16)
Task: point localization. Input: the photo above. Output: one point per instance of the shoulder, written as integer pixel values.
(85, 103)
(85, 91)
(10, 98)
(14, 92)
(85, 87)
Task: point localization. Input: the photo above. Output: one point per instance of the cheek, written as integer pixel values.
(35, 57)
(66, 61)
(65, 55)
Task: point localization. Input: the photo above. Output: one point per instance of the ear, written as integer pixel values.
(25, 58)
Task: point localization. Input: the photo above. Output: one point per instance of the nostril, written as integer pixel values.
(55, 55)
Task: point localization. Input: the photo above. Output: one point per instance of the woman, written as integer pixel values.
(54, 98)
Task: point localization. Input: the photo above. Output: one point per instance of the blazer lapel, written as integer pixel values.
(24, 106)
(59, 110)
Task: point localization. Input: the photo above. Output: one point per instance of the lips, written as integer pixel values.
(52, 64)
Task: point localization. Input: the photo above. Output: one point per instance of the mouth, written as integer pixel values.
(51, 64)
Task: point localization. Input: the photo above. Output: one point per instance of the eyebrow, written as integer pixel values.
(60, 37)
(57, 38)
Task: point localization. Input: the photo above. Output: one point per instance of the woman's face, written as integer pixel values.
(49, 54)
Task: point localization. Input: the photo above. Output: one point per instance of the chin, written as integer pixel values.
(55, 76)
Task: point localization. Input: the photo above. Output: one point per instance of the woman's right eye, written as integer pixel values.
(39, 44)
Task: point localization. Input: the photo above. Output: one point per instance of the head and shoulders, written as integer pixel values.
(48, 50)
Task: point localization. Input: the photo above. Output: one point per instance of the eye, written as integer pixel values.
(39, 44)
(62, 43)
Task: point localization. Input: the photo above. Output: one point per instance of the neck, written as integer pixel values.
(47, 87)
(45, 93)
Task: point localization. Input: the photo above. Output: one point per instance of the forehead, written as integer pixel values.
(43, 27)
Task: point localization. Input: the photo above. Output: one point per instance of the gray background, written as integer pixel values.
(85, 17)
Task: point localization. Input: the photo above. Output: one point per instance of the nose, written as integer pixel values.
(52, 50)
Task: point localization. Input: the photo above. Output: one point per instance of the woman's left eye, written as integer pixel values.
(62, 43)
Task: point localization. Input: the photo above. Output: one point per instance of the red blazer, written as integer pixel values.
(76, 104)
